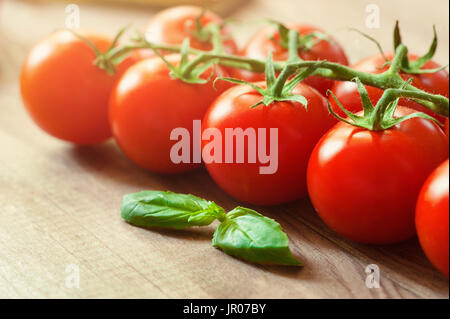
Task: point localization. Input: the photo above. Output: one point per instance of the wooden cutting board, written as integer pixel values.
(59, 204)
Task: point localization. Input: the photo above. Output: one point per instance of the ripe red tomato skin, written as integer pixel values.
(259, 46)
(298, 131)
(347, 93)
(364, 184)
(146, 104)
(64, 92)
(446, 128)
(173, 25)
(432, 217)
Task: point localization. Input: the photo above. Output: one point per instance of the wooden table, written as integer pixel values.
(59, 204)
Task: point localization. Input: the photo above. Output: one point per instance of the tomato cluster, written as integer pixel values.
(364, 184)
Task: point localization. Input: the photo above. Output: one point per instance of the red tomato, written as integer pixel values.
(446, 128)
(64, 92)
(173, 25)
(147, 104)
(364, 184)
(298, 131)
(268, 40)
(432, 218)
(347, 92)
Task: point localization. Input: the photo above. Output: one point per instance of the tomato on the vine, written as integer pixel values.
(174, 25)
(268, 40)
(364, 184)
(64, 92)
(298, 130)
(432, 217)
(147, 104)
(347, 92)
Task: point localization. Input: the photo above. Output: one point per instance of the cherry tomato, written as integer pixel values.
(173, 25)
(432, 218)
(147, 104)
(364, 184)
(347, 92)
(268, 40)
(64, 92)
(298, 130)
(446, 128)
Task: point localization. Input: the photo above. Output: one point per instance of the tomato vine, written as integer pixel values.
(390, 79)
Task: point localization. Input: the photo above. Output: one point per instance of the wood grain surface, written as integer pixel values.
(59, 204)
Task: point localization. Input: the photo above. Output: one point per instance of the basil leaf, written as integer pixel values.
(249, 235)
(169, 210)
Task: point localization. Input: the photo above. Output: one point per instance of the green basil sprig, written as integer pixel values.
(253, 237)
(169, 210)
(243, 233)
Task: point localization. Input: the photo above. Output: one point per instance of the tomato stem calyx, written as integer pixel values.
(188, 71)
(105, 60)
(200, 33)
(415, 67)
(380, 117)
(209, 33)
(278, 89)
(305, 42)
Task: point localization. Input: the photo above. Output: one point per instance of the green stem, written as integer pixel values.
(224, 59)
(396, 64)
(294, 44)
(282, 79)
(192, 64)
(335, 71)
(413, 93)
(287, 72)
(390, 96)
(216, 38)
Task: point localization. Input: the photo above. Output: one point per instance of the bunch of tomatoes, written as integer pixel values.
(376, 187)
